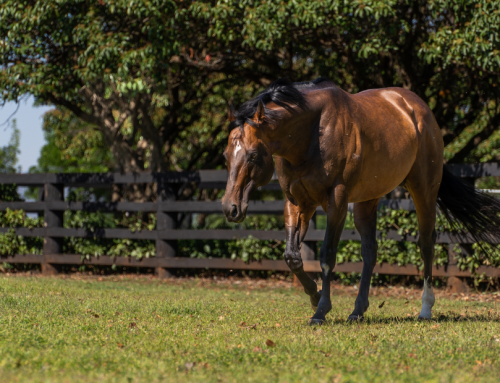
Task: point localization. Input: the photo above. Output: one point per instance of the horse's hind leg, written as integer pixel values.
(365, 219)
(424, 186)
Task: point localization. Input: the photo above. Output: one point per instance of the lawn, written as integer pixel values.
(55, 329)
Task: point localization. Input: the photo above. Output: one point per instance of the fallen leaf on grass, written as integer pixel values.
(277, 325)
(252, 327)
(117, 313)
(242, 324)
(120, 345)
(381, 305)
(189, 365)
(257, 349)
(270, 343)
(221, 318)
(132, 325)
(411, 355)
(325, 353)
(96, 315)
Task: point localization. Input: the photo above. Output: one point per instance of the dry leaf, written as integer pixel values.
(96, 315)
(221, 318)
(257, 349)
(132, 325)
(189, 365)
(253, 327)
(270, 343)
(381, 305)
(277, 325)
(120, 345)
(117, 313)
(411, 355)
(242, 324)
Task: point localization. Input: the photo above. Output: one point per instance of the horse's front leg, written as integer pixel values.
(336, 212)
(296, 224)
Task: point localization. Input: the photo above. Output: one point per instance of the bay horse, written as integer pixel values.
(331, 148)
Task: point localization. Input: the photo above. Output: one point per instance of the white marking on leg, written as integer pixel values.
(428, 300)
(325, 268)
(237, 148)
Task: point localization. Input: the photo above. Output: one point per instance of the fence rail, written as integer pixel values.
(52, 205)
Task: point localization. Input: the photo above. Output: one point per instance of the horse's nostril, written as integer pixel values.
(234, 211)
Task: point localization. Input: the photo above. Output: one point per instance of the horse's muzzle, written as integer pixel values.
(233, 212)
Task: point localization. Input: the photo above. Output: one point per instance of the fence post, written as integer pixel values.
(52, 219)
(164, 221)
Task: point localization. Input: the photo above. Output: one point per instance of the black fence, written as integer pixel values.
(166, 207)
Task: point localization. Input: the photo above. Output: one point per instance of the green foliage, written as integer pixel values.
(17, 244)
(8, 163)
(88, 247)
(155, 77)
(72, 146)
(247, 249)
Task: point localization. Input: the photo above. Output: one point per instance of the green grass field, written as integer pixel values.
(133, 329)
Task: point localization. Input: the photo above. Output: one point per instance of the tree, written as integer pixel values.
(8, 164)
(72, 146)
(155, 77)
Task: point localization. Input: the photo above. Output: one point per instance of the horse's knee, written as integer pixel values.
(294, 260)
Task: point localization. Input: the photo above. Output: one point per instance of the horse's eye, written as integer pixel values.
(253, 156)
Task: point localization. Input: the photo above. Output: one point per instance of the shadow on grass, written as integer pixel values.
(442, 318)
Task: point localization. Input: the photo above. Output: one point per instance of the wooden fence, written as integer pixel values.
(166, 207)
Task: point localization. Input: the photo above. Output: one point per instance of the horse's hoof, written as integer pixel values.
(423, 318)
(355, 318)
(316, 322)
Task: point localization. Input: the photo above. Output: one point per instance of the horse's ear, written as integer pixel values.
(230, 113)
(260, 113)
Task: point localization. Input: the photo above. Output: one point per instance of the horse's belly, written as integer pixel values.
(386, 162)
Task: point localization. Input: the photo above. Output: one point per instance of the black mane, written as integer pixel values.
(282, 92)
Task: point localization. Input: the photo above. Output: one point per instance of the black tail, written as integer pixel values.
(476, 211)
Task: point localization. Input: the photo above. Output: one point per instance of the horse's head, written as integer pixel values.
(249, 163)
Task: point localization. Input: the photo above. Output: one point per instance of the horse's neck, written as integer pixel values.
(294, 135)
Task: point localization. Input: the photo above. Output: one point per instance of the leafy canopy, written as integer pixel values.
(155, 77)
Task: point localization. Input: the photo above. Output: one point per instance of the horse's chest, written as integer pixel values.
(307, 191)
